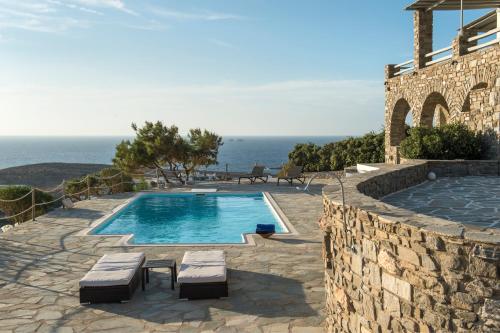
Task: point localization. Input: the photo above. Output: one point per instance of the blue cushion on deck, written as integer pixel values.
(265, 228)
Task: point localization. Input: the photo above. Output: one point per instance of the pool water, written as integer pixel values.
(189, 218)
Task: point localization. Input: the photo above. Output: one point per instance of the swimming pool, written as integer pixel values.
(188, 218)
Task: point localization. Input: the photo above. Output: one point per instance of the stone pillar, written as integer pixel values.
(422, 36)
(460, 44)
(390, 70)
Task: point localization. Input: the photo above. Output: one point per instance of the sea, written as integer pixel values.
(238, 154)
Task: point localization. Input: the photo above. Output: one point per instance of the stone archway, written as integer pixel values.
(473, 96)
(398, 125)
(435, 110)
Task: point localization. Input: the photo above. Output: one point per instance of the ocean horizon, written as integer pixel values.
(240, 153)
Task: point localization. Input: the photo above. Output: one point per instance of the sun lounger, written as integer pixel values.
(290, 173)
(203, 274)
(113, 278)
(257, 173)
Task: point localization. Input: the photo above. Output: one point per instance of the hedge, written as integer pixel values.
(18, 206)
(338, 155)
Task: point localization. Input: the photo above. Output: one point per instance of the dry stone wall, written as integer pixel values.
(391, 270)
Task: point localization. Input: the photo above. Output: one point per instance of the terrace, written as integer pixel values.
(275, 286)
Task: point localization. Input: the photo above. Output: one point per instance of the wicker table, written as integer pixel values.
(159, 263)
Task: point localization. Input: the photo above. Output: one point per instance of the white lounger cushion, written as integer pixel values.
(202, 267)
(107, 278)
(115, 269)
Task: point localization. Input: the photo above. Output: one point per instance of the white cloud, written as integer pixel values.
(56, 16)
(314, 107)
(116, 4)
(195, 16)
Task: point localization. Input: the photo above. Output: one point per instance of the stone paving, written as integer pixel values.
(471, 200)
(275, 286)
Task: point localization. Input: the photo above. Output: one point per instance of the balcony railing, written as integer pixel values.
(438, 52)
(404, 67)
(482, 36)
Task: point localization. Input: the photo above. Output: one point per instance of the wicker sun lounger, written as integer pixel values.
(291, 173)
(203, 274)
(257, 173)
(114, 278)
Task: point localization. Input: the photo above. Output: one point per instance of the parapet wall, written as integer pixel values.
(391, 270)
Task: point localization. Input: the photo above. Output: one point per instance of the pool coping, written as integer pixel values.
(248, 238)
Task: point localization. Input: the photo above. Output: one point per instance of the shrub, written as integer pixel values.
(141, 186)
(366, 149)
(447, 142)
(112, 180)
(338, 155)
(306, 155)
(77, 188)
(18, 206)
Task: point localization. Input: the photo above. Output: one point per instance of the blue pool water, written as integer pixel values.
(189, 218)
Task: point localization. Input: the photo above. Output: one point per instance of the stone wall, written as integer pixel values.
(391, 270)
(463, 89)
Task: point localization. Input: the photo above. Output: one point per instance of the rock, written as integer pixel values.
(463, 301)
(409, 255)
(48, 315)
(396, 286)
(388, 262)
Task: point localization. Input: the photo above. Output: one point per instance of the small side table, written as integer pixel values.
(159, 263)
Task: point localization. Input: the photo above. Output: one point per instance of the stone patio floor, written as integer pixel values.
(471, 200)
(275, 286)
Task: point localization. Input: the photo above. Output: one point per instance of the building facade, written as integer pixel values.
(459, 83)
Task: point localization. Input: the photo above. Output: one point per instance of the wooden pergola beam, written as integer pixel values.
(453, 4)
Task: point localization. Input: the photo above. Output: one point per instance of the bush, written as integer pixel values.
(105, 181)
(338, 155)
(306, 155)
(141, 186)
(113, 180)
(366, 149)
(18, 206)
(77, 188)
(447, 142)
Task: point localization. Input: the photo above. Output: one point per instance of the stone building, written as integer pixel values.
(393, 268)
(457, 83)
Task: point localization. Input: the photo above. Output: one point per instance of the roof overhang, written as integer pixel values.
(453, 4)
(484, 23)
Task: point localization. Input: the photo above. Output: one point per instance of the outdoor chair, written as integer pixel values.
(289, 173)
(202, 275)
(257, 173)
(114, 278)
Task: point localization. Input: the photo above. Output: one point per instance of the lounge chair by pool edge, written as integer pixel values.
(291, 173)
(257, 173)
(203, 274)
(114, 278)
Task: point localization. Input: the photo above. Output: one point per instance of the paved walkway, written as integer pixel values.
(275, 286)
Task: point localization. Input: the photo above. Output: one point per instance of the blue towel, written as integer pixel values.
(265, 229)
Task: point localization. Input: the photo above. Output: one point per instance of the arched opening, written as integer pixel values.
(474, 96)
(398, 121)
(435, 111)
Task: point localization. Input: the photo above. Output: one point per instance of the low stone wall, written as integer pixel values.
(391, 270)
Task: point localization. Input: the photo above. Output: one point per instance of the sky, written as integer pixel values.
(236, 67)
